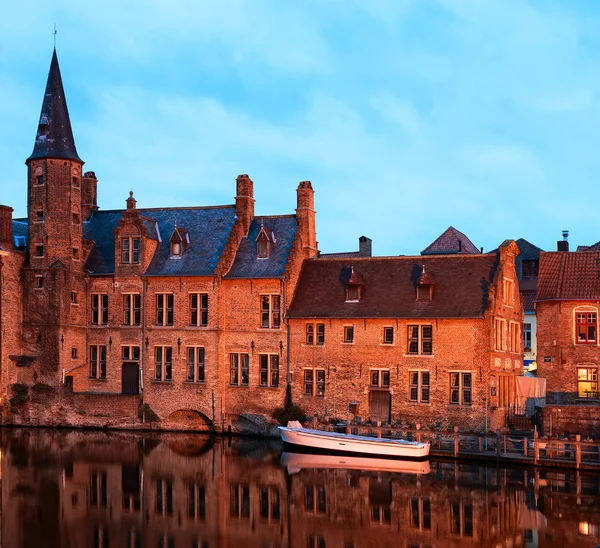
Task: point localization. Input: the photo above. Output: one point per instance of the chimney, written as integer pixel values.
(89, 195)
(244, 202)
(6, 237)
(364, 246)
(564, 244)
(305, 218)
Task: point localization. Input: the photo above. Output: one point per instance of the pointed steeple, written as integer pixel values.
(54, 137)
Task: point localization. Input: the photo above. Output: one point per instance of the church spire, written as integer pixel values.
(54, 137)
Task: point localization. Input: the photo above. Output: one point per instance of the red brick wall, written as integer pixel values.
(575, 419)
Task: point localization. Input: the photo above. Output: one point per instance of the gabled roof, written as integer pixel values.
(569, 276)
(593, 247)
(54, 138)
(247, 264)
(461, 290)
(451, 242)
(209, 229)
(528, 251)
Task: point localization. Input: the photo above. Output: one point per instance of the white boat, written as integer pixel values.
(298, 439)
(294, 462)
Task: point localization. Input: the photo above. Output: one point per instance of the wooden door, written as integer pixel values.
(379, 405)
(130, 378)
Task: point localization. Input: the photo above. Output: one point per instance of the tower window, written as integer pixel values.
(74, 353)
(76, 182)
(39, 215)
(76, 218)
(39, 180)
(39, 281)
(76, 253)
(39, 250)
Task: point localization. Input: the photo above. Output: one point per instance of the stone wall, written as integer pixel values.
(574, 419)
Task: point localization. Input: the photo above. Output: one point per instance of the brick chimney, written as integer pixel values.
(89, 195)
(365, 246)
(244, 202)
(563, 245)
(6, 237)
(305, 218)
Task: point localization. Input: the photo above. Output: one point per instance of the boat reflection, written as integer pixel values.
(295, 462)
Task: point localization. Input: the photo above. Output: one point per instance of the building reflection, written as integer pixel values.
(117, 490)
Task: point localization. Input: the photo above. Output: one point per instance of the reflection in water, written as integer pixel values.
(129, 490)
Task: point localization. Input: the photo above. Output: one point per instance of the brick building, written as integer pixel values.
(412, 339)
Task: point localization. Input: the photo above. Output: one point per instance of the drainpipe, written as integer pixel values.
(288, 334)
(143, 343)
(1, 323)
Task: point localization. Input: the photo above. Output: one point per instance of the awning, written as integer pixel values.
(531, 392)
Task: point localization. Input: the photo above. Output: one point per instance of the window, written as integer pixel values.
(262, 245)
(461, 519)
(76, 182)
(99, 309)
(269, 311)
(309, 385)
(587, 382)
(76, 253)
(500, 334)
(269, 370)
(320, 333)
(163, 363)
(310, 333)
(586, 327)
(131, 309)
(419, 386)
(509, 292)
(130, 250)
(39, 214)
(176, 249)
(39, 281)
(527, 337)
(420, 339)
(39, 180)
(315, 499)
(239, 365)
(460, 388)
(76, 218)
(514, 337)
(352, 293)
(348, 333)
(269, 502)
(163, 497)
(74, 353)
(39, 250)
(130, 353)
(164, 309)
(380, 378)
(420, 513)
(424, 292)
(98, 362)
(195, 364)
(239, 501)
(74, 297)
(388, 335)
(530, 269)
(98, 489)
(196, 501)
(199, 309)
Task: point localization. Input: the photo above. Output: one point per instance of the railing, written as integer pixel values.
(571, 453)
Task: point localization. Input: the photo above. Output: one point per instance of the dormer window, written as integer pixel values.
(354, 286)
(352, 293)
(425, 286)
(423, 292)
(130, 250)
(264, 242)
(179, 241)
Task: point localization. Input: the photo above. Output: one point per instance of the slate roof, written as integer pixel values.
(450, 242)
(208, 228)
(54, 137)
(20, 233)
(593, 247)
(461, 289)
(528, 251)
(247, 264)
(569, 276)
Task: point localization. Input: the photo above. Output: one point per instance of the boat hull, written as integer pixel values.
(329, 443)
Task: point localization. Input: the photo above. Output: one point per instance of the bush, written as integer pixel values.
(144, 410)
(289, 411)
(42, 388)
(20, 392)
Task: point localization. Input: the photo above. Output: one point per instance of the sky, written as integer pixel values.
(408, 116)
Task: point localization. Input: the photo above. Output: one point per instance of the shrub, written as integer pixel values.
(289, 411)
(20, 392)
(144, 410)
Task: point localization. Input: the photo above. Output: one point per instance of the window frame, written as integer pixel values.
(421, 388)
(316, 381)
(388, 335)
(379, 374)
(130, 250)
(270, 314)
(421, 340)
(196, 365)
(165, 309)
(315, 334)
(269, 370)
(99, 309)
(586, 315)
(527, 336)
(129, 356)
(461, 389)
(508, 292)
(515, 332)
(348, 334)
(131, 313)
(591, 379)
(163, 367)
(98, 362)
(200, 310)
(500, 335)
(239, 364)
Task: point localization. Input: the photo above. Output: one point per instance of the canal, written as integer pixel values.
(75, 489)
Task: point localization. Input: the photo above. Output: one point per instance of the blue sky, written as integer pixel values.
(408, 116)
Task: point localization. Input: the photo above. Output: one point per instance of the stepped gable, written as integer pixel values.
(593, 247)
(451, 242)
(569, 276)
(461, 287)
(247, 264)
(208, 228)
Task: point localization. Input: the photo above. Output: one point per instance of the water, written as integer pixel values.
(127, 490)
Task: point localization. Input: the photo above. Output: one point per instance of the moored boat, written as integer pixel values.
(299, 439)
(294, 462)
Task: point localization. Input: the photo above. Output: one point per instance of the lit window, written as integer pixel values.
(586, 327)
(420, 339)
(587, 382)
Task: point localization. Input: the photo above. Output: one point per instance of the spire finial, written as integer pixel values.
(423, 270)
(55, 33)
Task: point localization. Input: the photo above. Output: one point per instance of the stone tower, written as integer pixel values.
(54, 307)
